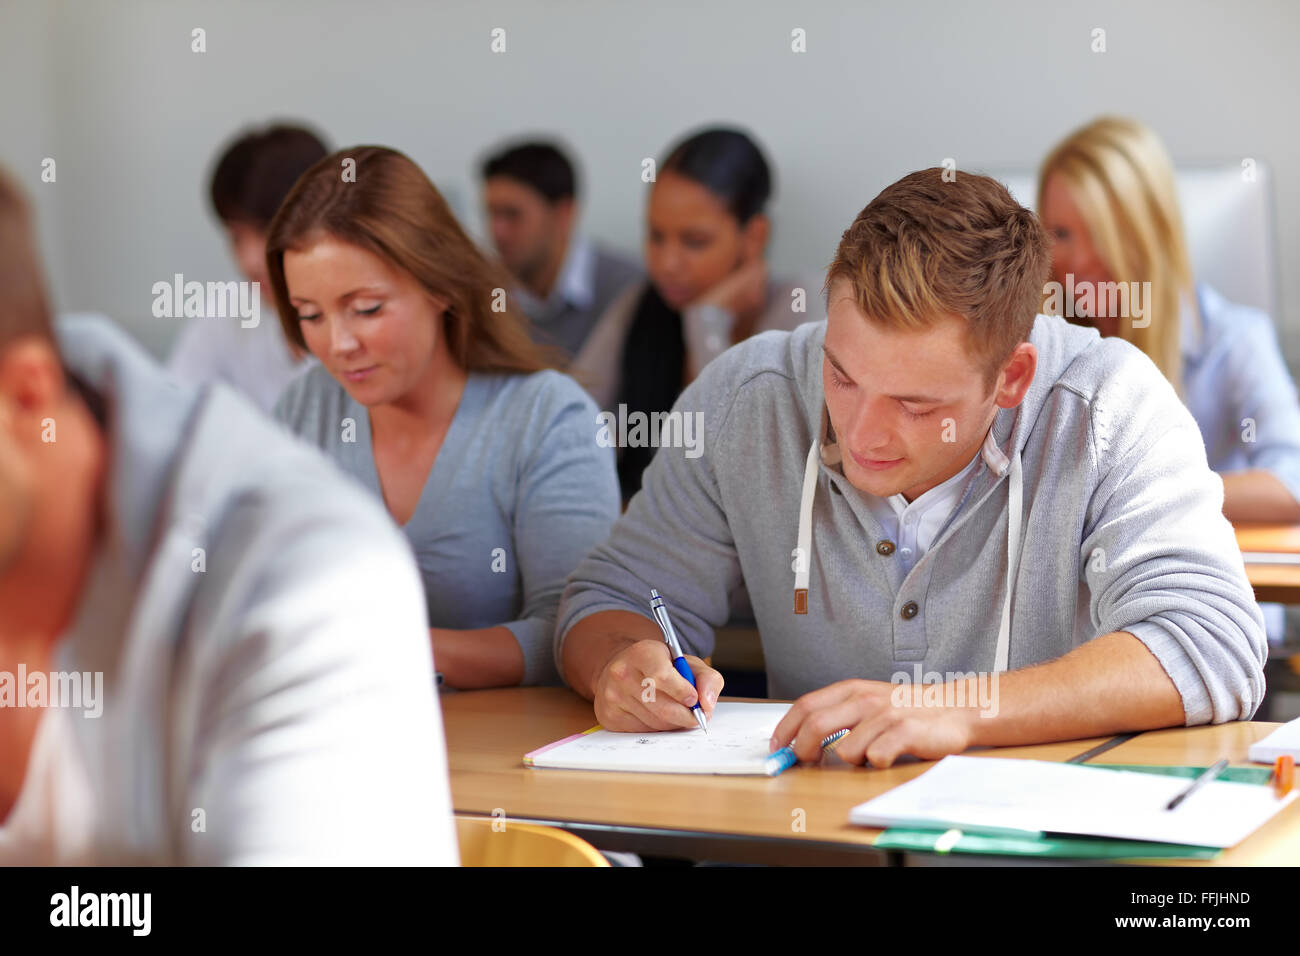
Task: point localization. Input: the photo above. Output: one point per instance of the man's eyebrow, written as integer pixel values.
(916, 399)
(834, 361)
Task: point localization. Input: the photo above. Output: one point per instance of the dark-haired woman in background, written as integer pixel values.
(708, 285)
(443, 407)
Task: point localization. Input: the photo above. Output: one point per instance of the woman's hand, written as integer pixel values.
(743, 293)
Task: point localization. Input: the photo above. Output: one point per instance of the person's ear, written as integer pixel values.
(754, 237)
(1016, 376)
(440, 304)
(31, 376)
(565, 213)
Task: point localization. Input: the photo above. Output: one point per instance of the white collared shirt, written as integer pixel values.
(913, 526)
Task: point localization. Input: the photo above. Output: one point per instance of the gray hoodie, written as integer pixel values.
(1095, 487)
(268, 690)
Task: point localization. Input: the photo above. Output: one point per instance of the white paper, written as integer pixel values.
(1038, 796)
(737, 743)
(1284, 740)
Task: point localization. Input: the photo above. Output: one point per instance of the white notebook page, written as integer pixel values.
(737, 743)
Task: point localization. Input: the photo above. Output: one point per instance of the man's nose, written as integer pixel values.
(870, 426)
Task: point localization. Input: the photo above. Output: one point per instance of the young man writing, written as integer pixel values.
(256, 624)
(879, 481)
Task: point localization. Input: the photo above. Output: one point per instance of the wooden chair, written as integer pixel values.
(521, 844)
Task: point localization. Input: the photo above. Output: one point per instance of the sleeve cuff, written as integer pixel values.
(1198, 700)
(534, 638)
(708, 332)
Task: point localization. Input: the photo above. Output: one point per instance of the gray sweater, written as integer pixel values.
(519, 493)
(1121, 529)
(260, 631)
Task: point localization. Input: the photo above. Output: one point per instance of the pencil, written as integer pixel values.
(1209, 774)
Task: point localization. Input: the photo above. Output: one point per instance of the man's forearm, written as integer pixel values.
(1112, 684)
(595, 639)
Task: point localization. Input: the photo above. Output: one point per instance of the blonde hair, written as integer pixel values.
(1122, 180)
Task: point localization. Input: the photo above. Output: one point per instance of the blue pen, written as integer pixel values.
(784, 758)
(660, 612)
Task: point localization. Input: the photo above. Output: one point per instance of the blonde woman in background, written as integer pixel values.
(1107, 197)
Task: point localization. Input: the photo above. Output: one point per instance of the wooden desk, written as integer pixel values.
(747, 819)
(728, 819)
(1273, 581)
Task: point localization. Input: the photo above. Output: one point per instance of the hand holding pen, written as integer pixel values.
(634, 687)
(660, 612)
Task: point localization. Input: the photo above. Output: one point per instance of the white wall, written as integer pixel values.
(133, 117)
(28, 128)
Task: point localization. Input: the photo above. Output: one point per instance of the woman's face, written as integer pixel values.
(692, 240)
(1072, 250)
(370, 324)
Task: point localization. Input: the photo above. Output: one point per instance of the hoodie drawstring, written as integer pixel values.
(803, 556)
(1014, 501)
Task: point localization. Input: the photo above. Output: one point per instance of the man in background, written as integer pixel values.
(251, 179)
(565, 280)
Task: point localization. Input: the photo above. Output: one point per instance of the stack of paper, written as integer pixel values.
(990, 794)
(1284, 740)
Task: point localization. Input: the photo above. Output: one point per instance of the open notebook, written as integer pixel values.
(1000, 795)
(735, 744)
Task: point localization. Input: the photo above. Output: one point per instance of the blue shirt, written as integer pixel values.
(1238, 388)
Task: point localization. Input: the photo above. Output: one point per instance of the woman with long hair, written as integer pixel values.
(432, 394)
(1108, 198)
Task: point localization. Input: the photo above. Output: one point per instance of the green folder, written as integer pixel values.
(1077, 847)
(1260, 775)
